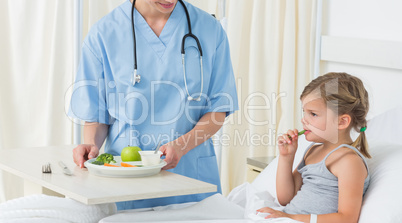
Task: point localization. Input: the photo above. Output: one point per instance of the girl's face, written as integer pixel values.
(161, 6)
(320, 122)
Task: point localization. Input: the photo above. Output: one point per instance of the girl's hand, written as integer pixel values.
(287, 143)
(273, 213)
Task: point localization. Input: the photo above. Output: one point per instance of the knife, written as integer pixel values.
(66, 171)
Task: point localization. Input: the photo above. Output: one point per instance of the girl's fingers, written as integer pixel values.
(283, 140)
(288, 138)
(296, 132)
(292, 133)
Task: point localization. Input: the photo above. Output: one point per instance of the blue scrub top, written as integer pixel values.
(156, 108)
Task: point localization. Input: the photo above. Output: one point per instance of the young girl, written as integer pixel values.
(330, 182)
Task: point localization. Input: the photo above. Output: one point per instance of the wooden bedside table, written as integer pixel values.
(257, 164)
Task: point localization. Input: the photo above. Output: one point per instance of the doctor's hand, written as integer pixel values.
(173, 154)
(83, 152)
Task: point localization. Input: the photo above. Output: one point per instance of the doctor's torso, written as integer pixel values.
(158, 104)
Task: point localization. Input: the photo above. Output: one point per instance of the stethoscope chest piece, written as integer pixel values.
(189, 98)
(136, 77)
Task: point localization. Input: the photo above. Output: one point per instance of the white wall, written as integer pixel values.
(368, 19)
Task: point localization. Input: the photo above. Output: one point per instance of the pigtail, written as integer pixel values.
(361, 144)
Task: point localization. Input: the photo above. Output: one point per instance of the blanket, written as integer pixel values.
(239, 207)
(42, 208)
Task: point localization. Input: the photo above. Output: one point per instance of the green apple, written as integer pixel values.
(130, 153)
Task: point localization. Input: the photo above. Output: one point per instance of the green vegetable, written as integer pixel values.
(299, 134)
(104, 158)
(97, 162)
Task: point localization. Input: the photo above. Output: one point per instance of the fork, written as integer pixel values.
(46, 168)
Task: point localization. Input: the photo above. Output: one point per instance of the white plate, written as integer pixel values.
(107, 171)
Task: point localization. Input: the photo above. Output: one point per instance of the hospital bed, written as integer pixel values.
(380, 204)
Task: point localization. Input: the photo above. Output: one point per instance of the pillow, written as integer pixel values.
(266, 180)
(381, 202)
(385, 127)
(383, 197)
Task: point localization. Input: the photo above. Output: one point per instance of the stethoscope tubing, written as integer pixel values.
(137, 77)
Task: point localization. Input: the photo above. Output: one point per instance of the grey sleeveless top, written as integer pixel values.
(319, 191)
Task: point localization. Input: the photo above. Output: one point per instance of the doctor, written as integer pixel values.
(132, 88)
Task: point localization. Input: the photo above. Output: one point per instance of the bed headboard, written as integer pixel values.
(377, 62)
(367, 52)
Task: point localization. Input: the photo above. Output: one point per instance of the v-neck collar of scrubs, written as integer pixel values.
(158, 44)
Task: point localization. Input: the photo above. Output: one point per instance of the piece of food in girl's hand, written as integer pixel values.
(300, 133)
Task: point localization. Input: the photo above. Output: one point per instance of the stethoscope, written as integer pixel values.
(137, 78)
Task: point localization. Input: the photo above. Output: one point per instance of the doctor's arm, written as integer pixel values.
(94, 136)
(205, 128)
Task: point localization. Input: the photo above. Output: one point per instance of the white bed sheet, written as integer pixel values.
(216, 208)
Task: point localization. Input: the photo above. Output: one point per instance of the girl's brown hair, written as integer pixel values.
(344, 94)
